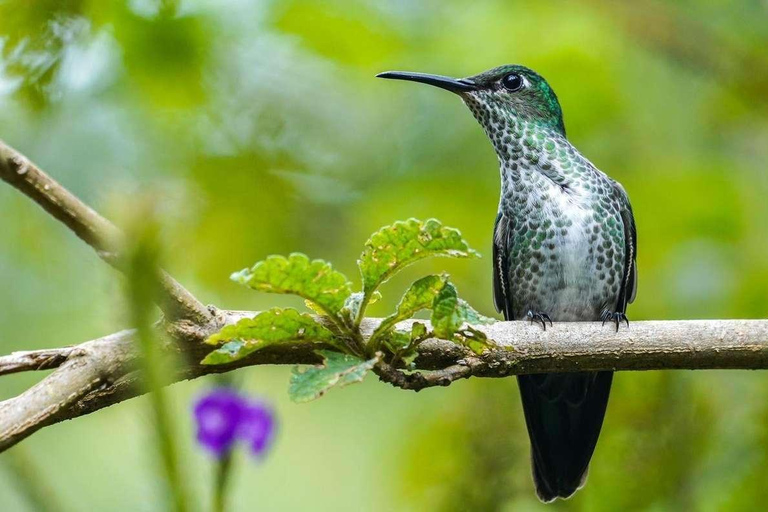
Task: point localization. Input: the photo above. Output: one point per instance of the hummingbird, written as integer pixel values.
(564, 249)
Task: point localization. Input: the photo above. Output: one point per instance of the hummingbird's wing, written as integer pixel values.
(628, 289)
(502, 297)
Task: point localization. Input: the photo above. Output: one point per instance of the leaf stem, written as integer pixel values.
(333, 317)
(363, 305)
(375, 340)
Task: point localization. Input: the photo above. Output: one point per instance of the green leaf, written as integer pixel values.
(473, 339)
(404, 344)
(420, 295)
(418, 330)
(471, 316)
(354, 302)
(267, 328)
(397, 340)
(450, 313)
(314, 280)
(338, 370)
(446, 319)
(394, 247)
(229, 352)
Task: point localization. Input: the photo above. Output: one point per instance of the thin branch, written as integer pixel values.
(416, 381)
(100, 373)
(89, 226)
(32, 360)
(90, 366)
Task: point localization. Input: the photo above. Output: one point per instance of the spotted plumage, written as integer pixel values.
(559, 233)
(564, 249)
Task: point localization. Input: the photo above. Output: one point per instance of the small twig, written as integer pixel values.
(417, 381)
(34, 360)
(90, 227)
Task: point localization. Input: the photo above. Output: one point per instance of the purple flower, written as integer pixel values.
(256, 426)
(223, 416)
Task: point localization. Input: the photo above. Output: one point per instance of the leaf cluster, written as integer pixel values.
(335, 329)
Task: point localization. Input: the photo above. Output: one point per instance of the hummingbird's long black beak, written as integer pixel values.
(457, 85)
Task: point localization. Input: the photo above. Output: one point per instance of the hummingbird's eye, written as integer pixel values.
(512, 82)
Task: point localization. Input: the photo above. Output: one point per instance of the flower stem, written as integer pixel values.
(30, 480)
(223, 472)
(143, 288)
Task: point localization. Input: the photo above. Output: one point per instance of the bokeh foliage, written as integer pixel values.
(259, 129)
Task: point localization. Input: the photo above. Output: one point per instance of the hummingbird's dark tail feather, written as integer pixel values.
(564, 413)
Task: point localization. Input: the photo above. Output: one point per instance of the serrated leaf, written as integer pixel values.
(267, 328)
(338, 370)
(450, 313)
(446, 318)
(420, 295)
(313, 280)
(394, 247)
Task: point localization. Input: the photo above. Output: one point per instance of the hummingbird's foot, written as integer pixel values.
(614, 316)
(539, 316)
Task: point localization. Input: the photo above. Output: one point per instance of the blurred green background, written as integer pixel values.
(259, 128)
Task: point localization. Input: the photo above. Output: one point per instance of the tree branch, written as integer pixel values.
(100, 373)
(89, 226)
(87, 367)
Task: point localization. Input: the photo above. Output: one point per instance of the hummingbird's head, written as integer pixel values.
(499, 96)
